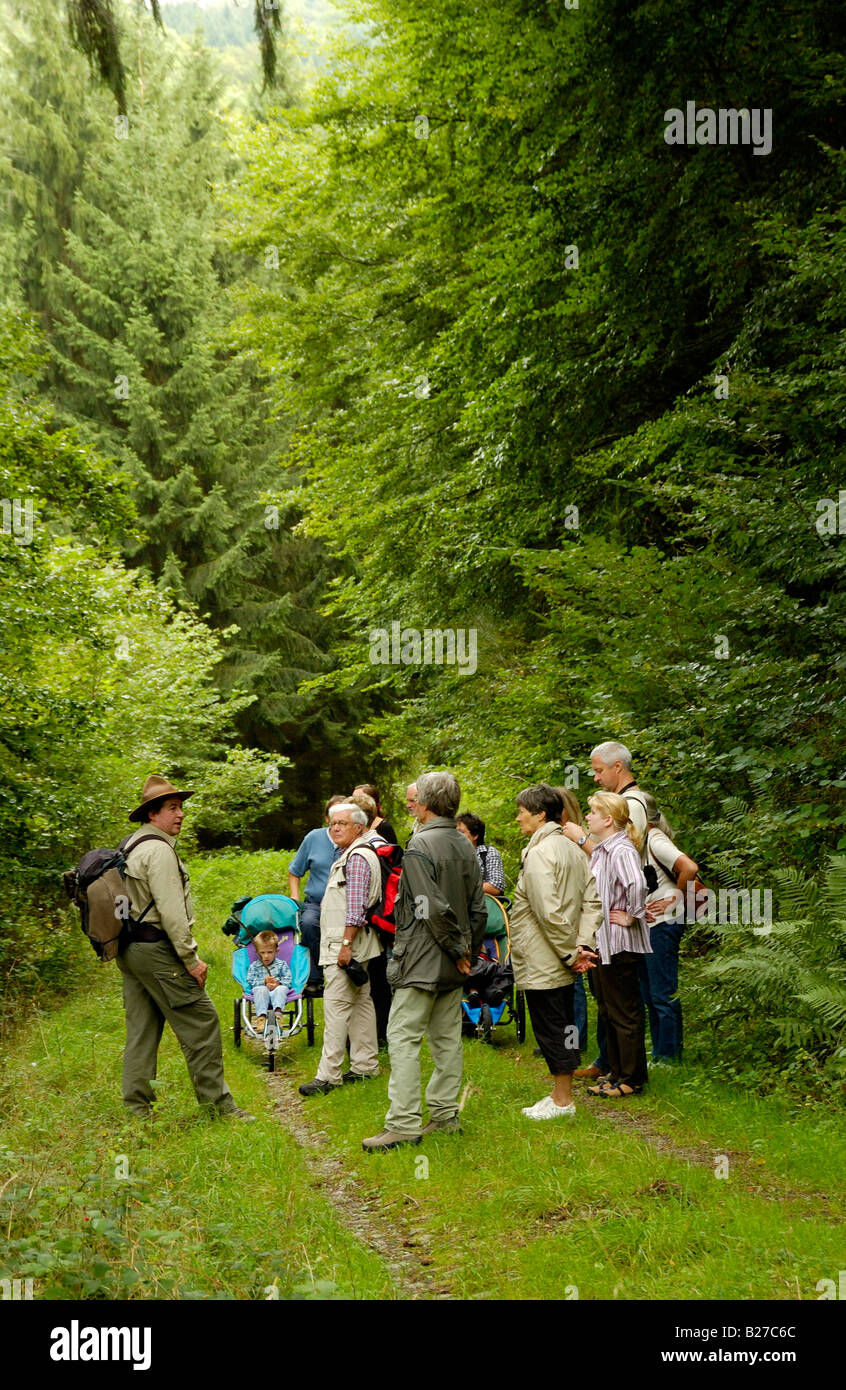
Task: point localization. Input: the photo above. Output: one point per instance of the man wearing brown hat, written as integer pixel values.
(163, 976)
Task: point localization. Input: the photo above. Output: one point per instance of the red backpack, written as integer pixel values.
(381, 915)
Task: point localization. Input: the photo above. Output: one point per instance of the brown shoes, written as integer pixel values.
(451, 1126)
(388, 1140)
(590, 1073)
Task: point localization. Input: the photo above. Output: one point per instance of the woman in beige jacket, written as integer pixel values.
(554, 922)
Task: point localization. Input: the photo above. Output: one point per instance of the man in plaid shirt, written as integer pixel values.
(354, 887)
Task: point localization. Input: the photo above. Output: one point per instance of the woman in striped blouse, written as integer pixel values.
(621, 941)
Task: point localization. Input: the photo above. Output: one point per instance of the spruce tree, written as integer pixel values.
(138, 331)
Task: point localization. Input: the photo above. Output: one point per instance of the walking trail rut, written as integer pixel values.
(390, 1231)
(743, 1166)
(403, 1245)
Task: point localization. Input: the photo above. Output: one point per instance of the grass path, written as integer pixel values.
(691, 1191)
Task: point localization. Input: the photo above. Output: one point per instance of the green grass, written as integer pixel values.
(517, 1210)
(94, 1206)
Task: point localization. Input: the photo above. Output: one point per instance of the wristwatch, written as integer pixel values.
(346, 941)
(581, 841)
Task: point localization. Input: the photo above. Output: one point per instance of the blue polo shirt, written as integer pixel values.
(316, 855)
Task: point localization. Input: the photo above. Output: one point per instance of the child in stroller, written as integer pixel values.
(268, 979)
(274, 917)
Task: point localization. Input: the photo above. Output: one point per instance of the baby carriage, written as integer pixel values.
(269, 912)
(490, 996)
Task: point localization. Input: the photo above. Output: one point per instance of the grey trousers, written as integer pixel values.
(157, 989)
(415, 1014)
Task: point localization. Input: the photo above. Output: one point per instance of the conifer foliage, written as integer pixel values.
(96, 32)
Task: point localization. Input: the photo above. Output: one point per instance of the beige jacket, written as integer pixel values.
(333, 909)
(153, 872)
(556, 909)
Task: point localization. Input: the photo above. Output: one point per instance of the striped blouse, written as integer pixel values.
(618, 871)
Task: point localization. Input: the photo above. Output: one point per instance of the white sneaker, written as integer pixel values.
(546, 1109)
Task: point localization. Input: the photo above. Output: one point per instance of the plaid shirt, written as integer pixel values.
(279, 969)
(490, 861)
(618, 871)
(357, 874)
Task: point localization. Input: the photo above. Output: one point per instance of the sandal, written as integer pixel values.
(599, 1088)
(619, 1091)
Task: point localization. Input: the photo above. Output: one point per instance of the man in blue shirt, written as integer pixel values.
(315, 856)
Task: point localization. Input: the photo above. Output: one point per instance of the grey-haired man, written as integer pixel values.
(440, 916)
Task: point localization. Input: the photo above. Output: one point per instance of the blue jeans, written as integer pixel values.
(659, 981)
(580, 1012)
(601, 1058)
(310, 933)
(264, 998)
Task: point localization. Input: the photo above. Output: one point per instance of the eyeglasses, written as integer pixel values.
(333, 824)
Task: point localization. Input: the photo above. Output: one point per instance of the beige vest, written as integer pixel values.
(333, 909)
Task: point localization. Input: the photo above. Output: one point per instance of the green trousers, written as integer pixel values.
(416, 1013)
(158, 988)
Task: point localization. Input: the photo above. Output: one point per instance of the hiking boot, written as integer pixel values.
(236, 1113)
(351, 1076)
(590, 1073)
(313, 992)
(260, 1023)
(388, 1140)
(318, 1088)
(450, 1126)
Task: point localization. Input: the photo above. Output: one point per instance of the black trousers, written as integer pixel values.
(616, 988)
(380, 993)
(553, 1022)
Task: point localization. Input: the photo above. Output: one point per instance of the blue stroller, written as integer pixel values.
(490, 996)
(277, 913)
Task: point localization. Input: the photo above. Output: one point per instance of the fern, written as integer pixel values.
(792, 982)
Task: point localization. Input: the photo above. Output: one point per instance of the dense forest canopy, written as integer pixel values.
(450, 338)
(611, 363)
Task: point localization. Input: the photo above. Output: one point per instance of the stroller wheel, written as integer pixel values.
(310, 1020)
(236, 1023)
(520, 1014)
(485, 1024)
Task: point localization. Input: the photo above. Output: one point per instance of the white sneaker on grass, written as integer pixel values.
(546, 1109)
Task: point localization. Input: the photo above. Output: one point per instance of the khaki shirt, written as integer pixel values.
(556, 910)
(333, 909)
(153, 872)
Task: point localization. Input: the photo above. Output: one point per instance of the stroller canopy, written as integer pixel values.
(269, 912)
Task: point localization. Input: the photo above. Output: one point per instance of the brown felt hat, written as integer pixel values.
(156, 789)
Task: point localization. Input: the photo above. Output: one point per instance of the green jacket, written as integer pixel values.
(440, 909)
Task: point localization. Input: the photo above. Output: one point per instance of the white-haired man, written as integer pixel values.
(440, 918)
(611, 765)
(347, 943)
